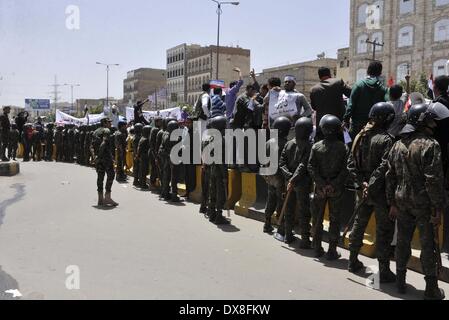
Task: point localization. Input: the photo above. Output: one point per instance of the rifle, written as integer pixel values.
(352, 220)
(284, 206)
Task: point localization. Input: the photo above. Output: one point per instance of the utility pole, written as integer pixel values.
(375, 45)
(55, 92)
(407, 78)
(71, 90)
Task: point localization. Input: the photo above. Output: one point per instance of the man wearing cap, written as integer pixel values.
(5, 127)
(291, 103)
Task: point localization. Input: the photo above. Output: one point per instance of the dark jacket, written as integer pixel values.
(442, 134)
(327, 98)
(294, 162)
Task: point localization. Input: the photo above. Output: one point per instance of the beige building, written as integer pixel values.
(141, 83)
(343, 65)
(306, 73)
(415, 34)
(177, 72)
(202, 67)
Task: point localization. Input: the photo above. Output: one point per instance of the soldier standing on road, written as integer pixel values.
(104, 163)
(138, 128)
(144, 160)
(276, 183)
(120, 145)
(59, 144)
(415, 192)
(154, 171)
(27, 139)
(13, 143)
(169, 169)
(293, 165)
(49, 140)
(38, 137)
(328, 168)
(5, 126)
(372, 145)
(218, 178)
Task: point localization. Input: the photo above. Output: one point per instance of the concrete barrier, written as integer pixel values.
(196, 195)
(257, 210)
(248, 197)
(234, 188)
(9, 169)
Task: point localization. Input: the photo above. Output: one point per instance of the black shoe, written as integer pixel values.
(305, 244)
(174, 198)
(355, 265)
(203, 210)
(144, 187)
(221, 221)
(290, 239)
(268, 229)
(319, 252)
(4, 159)
(333, 255)
(386, 275)
(400, 282)
(432, 291)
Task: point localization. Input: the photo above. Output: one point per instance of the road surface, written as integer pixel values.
(147, 249)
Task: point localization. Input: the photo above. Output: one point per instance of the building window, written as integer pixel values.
(361, 74)
(401, 72)
(378, 37)
(362, 46)
(406, 6)
(442, 30)
(439, 67)
(362, 15)
(405, 37)
(442, 2)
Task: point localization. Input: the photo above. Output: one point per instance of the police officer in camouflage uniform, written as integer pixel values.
(218, 177)
(104, 164)
(370, 146)
(82, 141)
(144, 160)
(293, 164)
(154, 170)
(38, 137)
(276, 183)
(415, 192)
(59, 144)
(328, 169)
(49, 141)
(120, 145)
(169, 169)
(138, 128)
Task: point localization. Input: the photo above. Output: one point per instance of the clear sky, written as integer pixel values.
(35, 44)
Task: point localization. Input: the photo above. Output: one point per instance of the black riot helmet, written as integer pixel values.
(423, 116)
(146, 131)
(382, 114)
(303, 128)
(283, 125)
(50, 126)
(138, 128)
(172, 126)
(219, 123)
(330, 125)
(121, 125)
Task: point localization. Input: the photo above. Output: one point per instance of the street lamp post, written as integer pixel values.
(219, 12)
(71, 91)
(107, 78)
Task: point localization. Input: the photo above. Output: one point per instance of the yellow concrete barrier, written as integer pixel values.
(196, 195)
(249, 196)
(234, 188)
(20, 151)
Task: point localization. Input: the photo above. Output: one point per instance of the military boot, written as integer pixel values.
(386, 275)
(355, 265)
(332, 254)
(220, 220)
(175, 198)
(432, 291)
(212, 214)
(305, 243)
(100, 199)
(318, 249)
(268, 228)
(400, 282)
(108, 200)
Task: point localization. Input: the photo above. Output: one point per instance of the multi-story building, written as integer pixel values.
(177, 73)
(343, 65)
(202, 67)
(306, 73)
(141, 83)
(415, 34)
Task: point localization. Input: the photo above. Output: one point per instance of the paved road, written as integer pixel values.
(147, 249)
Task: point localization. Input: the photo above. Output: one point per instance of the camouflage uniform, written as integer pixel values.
(13, 143)
(364, 165)
(160, 161)
(136, 164)
(120, 144)
(104, 163)
(414, 184)
(169, 170)
(154, 175)
(49, 140)
(276, 187)
(37, 144)
(293, 165)
(205, 179)
(144, 161)
(327, 166)
(59, 144)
